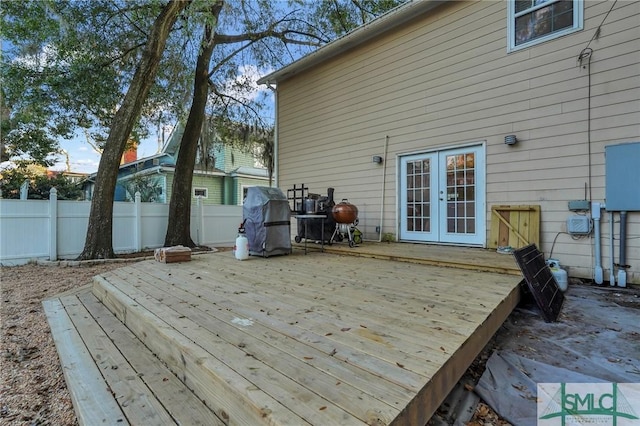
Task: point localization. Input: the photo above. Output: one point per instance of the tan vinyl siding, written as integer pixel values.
(447, 80)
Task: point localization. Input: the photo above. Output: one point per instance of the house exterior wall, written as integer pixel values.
(242, 183)
(229, 158)
(446, 80)
(214, 186)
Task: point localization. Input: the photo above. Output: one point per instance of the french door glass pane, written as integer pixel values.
(418, 193)
(460, 192)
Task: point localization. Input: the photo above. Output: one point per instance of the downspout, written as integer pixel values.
(622, 261)
(595, 215)
(276, 178)
(384, 182)
(612, 276)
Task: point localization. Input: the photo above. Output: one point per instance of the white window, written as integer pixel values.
(535, 21)
(243, 189)
(200, 192)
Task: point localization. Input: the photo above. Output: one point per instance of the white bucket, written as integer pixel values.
(241, 248)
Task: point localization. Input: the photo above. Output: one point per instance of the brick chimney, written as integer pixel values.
(130, 154)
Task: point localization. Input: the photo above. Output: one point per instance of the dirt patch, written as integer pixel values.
(629, 298)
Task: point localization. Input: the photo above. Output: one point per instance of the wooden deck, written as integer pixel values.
(474, 259)
(322, 338)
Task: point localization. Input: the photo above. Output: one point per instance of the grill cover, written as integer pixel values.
(267, 221)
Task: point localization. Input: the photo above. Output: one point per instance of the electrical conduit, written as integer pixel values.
(384, 181)
(612, 276)
(622, 261)
(595, 215)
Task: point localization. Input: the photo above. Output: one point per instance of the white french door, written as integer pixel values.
(442, 196)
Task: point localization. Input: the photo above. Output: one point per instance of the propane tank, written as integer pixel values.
(559, 274)
(241, 248)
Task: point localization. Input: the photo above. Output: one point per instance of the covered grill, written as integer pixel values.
(267, 221)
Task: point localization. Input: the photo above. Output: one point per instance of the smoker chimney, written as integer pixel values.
(330, 201)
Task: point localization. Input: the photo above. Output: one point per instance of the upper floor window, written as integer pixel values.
(535, 21)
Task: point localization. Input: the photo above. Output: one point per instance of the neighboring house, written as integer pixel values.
(469, 105)
(224, 181)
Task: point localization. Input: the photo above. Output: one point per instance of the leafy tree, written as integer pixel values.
(72, 64)
(40, 183)
(335, 18)
(265, 35)
(66, 189)
(150, 188)
(25, 141)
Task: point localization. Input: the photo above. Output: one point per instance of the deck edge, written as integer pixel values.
(414, 412)
(92, 402)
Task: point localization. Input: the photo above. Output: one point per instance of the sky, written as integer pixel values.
(84, 159)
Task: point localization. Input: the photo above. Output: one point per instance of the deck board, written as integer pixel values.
(319, 338)
(176, 398)
(131, 393)
(92, 401)
(461, 258)
(118, 380)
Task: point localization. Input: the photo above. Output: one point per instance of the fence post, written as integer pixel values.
(200, 219)
(138, 221)
(53, 224)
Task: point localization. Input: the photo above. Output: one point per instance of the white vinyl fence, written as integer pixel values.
(53, 229)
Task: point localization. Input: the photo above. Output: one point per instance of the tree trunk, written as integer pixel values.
(179, 226)
(99, 241)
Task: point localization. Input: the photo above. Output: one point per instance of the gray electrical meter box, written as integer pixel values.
(622, 177)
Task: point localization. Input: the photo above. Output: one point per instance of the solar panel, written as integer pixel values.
(540, 281)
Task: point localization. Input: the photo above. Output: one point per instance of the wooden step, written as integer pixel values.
(112, 376)
(219, 371)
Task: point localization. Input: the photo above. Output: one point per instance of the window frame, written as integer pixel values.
(578, 25)
(243, 195)
(206, 192)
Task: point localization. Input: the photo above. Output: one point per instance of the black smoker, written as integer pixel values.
(315, 204)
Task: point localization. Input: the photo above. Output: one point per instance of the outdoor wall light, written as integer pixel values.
(376, 159)
(510, 139)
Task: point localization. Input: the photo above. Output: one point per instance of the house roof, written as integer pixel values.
(139, 161)
(250, 172)
(392, 19)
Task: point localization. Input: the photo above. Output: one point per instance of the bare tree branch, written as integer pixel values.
(131, 21)
(123, 54)
(282, 35)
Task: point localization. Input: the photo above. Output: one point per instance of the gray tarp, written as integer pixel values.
(597, 339)
(267, 221)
